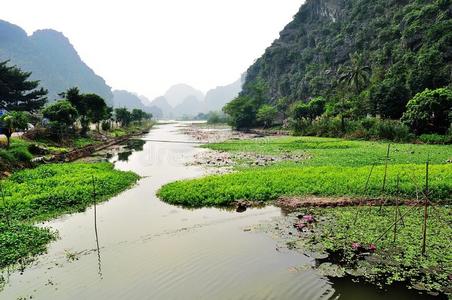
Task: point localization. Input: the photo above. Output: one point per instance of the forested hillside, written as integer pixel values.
(360, 57)
(52, 59)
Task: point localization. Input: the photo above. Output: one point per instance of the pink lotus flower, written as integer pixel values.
(308, 218)
(372, 247)
(300, 225)
(356, 246)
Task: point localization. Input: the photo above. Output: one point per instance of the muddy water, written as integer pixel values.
(152, 250)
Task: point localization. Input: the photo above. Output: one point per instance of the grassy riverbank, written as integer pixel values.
(49, 191)
(332, 167)
(37, 143)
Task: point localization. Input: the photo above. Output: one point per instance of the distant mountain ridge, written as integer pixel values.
(52, 59)
(183, 100)
(122, 98)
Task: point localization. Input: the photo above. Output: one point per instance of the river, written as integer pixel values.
(151, 250)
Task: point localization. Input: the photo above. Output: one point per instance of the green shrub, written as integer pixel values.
(430, 111)
(392, 130)
(367, 128)
(106, 125)
(6, 155)
(436, 139)
(21, 154)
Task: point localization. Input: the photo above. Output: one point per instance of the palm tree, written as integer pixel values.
(356, 74)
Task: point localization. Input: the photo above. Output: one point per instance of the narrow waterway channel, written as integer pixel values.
(152, 250)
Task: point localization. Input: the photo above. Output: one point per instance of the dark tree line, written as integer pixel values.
(22, 100)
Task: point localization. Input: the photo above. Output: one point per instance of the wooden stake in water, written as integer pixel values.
(396, 214)
(386, 169)
(95, 228)
(365, 191)
(426, 201)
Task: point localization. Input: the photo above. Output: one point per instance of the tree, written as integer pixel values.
(316, 107)
(356, 74)
(12, 121)
(96, 108)
(429, 111)
(106, 125)
(74, 96)
(300, 110)
(242, 111)
(266, 115)
(139, 115)
(123, 116)
(17, 93)
(343, 109)
(310, 110)
(90, 107)
(61, 113)
(283, 104)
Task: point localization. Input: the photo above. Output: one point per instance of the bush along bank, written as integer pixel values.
(46, 192)
(35, 148)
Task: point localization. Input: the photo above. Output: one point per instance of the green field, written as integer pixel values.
(335, 167)
(340, 152)
(48, 191)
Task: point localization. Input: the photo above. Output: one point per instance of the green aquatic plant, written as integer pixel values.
(364, 249)
(264, 184)
(49, 191)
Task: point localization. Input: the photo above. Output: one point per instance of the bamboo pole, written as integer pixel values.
(386, 169)
(385, 176)
(365, 192)
(396, 212)
(426, 201)
(95, 229)
(398, 219)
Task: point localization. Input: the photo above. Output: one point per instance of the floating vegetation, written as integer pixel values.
(264, 184)
(45, 192)
(363, 247)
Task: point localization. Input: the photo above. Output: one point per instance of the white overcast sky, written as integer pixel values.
(147, 46)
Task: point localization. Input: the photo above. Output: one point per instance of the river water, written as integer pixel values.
(151, 250)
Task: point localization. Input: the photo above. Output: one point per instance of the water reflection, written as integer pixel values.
(124, 156)
(349, 288)
(135, 144)
(128, 147)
